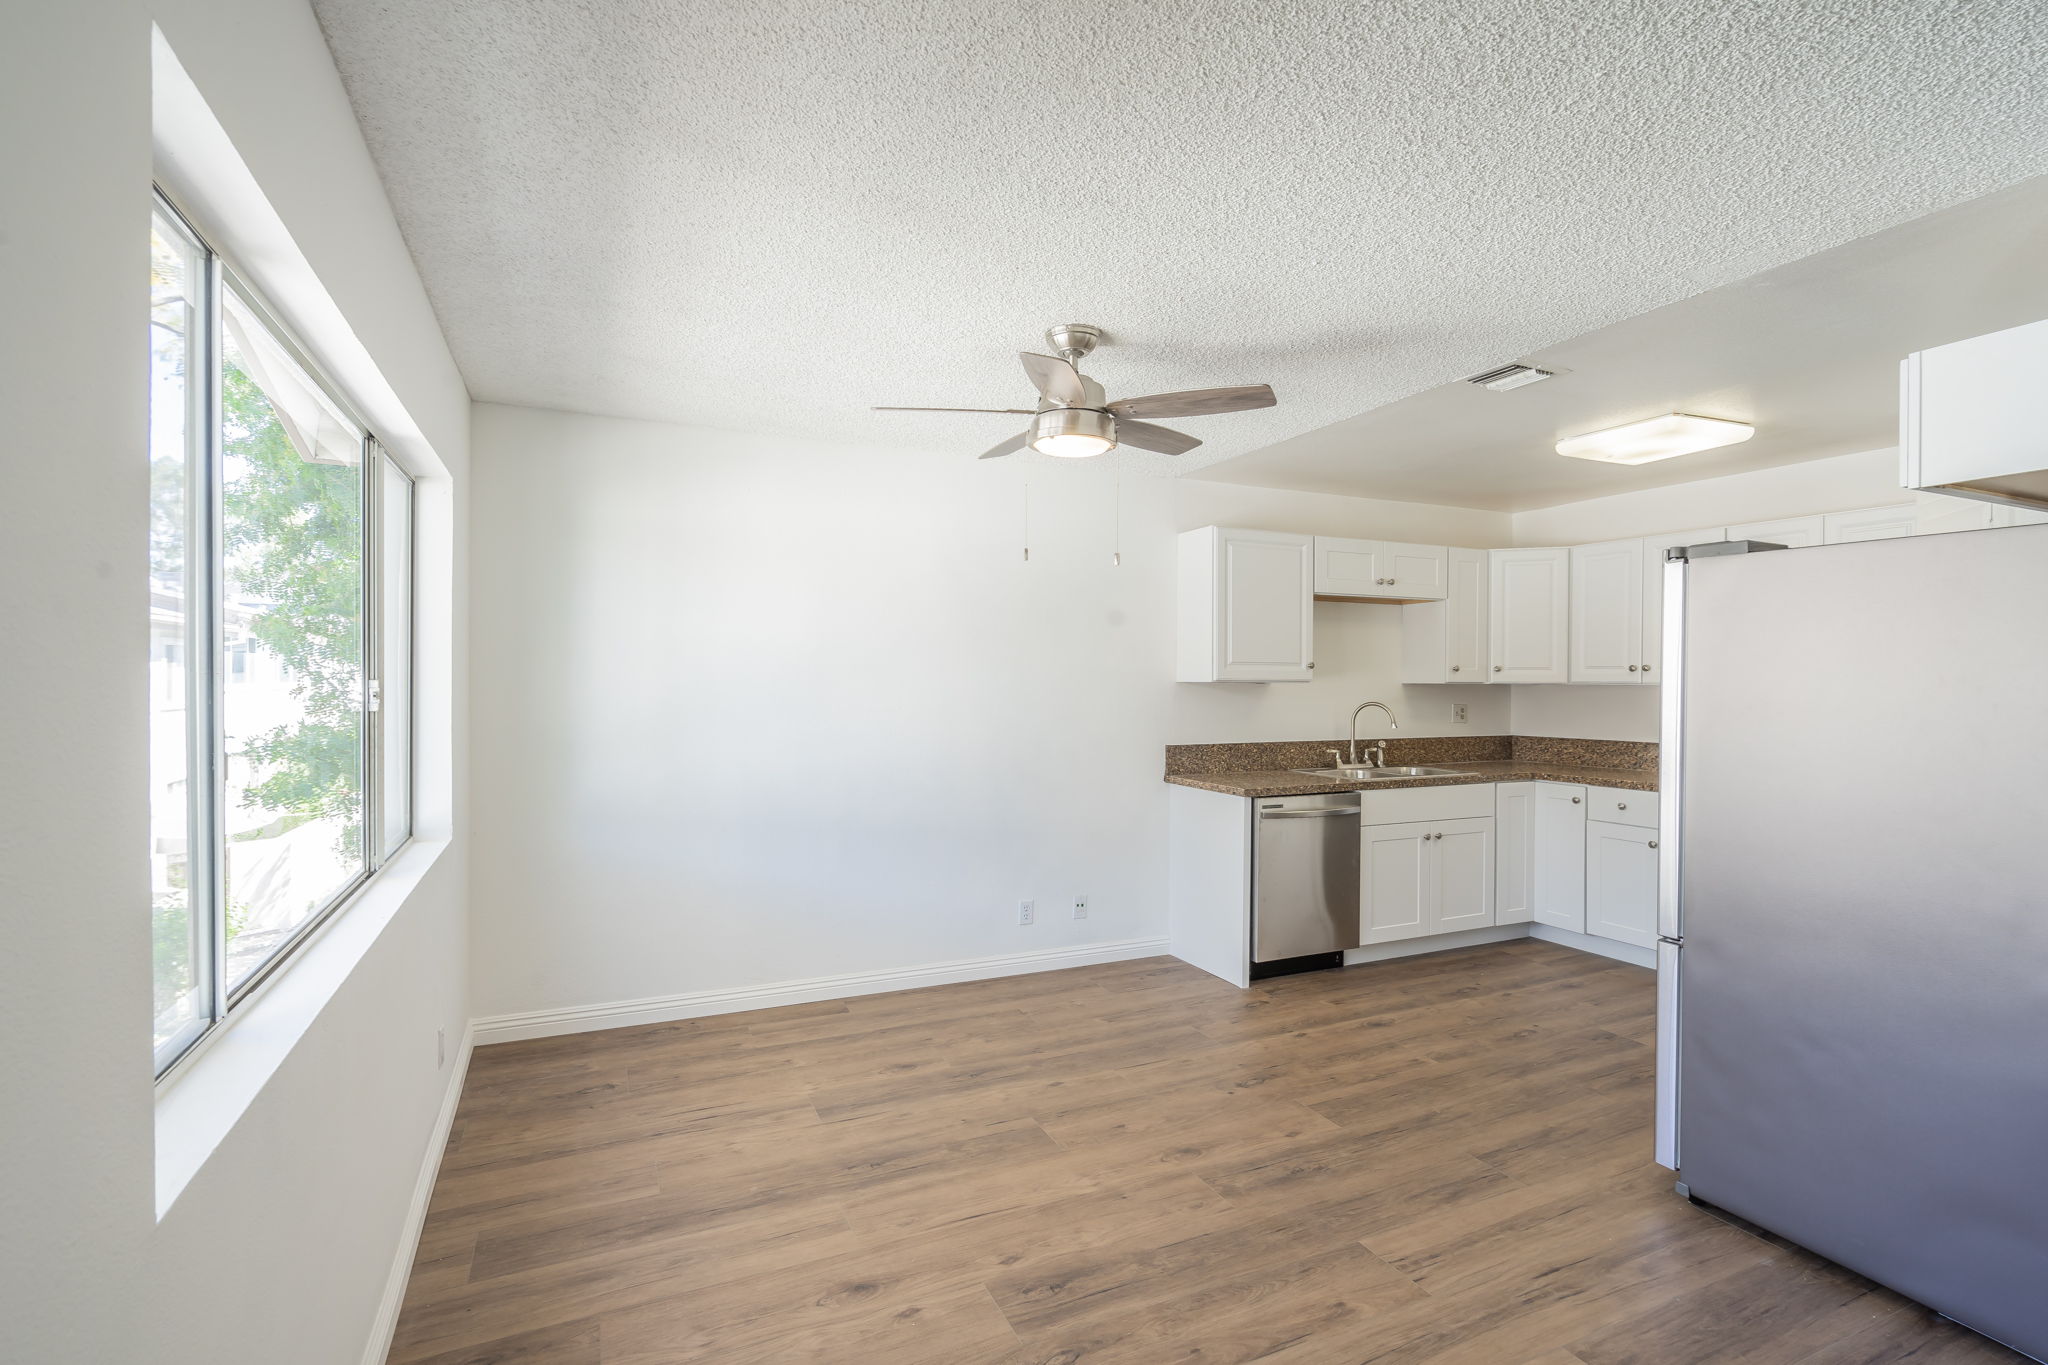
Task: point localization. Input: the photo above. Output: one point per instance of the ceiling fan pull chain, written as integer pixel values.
(1027, 514)
(1116, 512)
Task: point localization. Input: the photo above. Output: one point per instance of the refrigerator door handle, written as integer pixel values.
(1668, 952)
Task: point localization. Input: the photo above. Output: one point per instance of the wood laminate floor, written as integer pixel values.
(1444, 1159)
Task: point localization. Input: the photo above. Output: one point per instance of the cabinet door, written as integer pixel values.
(1557, 844)
(1621, 882)
(1607, 612)
(1350, 568)
(1461, 875)
(1467, 625)
(1415, 571)
(1514, 828)
(1527, 608)
(1793, 532)
(1266, 628)
(1653, 591)
(1871, 523)
(1445, 641)
(1393, 882)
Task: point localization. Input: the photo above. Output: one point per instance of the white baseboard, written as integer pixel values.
(661, 1009)
(1434, 943)
(416, 1213)
(1593, 943)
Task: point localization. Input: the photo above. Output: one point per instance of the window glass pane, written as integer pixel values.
(179, 937)
(292, 642)
(394, 625)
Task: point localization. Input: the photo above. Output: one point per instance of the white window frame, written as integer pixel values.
(207, 665)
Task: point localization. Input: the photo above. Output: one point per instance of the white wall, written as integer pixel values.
(1841, 483)
(753, 710)
(279, 1248)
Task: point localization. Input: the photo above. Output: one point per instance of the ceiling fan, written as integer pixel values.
(1073, 420)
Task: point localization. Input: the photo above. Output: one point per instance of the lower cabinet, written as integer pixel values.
(1541, 875)
(1426, 877)
(1621, 882)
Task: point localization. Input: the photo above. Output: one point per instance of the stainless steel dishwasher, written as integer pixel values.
(1304, 881)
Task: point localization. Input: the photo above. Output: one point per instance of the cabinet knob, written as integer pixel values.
(1653, 843)
(1646, 668)
(1575, 800)
(1311, 663)
(1632, 668)
(1496, 668)
(1621, 805)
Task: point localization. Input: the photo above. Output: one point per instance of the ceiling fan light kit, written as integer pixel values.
(1075, 420)
(1656, 438)
(1073, 433)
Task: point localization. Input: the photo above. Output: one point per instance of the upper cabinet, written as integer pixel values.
(1445, 642)
(1653, 591)
(1792, 532)
(1247, 606)
(1607, 612)
(1528, 611)
(1970, 420)
(1380, 569)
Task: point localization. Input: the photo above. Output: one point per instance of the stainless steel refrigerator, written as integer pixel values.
(1853, 972)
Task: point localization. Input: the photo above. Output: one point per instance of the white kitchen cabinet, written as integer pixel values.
(1349, 568)
(1514, 829)
(1445, 641)
(1792, 532)
(1393, 882)
(1622, 806)
(1653, 592)
(1870, 523)
(1416, 572)
(1528, 615)
(1426, 877)
(1557, 876)
(1970, 416)
(1380, 569)
(1247, 606)
(1621, 882)
(1607, 612)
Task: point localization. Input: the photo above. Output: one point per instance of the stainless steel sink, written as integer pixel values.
(1374, 774)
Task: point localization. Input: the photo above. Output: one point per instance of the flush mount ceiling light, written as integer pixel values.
(1659, 438)
(1074, 419)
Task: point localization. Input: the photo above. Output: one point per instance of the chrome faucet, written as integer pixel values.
(1379, 750)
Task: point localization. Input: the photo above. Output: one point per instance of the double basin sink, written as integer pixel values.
(1370, 774)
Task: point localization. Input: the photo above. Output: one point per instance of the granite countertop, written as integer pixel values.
(1268, 769)
(1281, 782)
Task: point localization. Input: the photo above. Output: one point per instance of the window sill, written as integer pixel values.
(205, 1095)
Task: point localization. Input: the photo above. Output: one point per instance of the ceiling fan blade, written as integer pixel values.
(1009, 447)
(1197, 402)
(1057, 379)
(1022, 412)
(1145, 436)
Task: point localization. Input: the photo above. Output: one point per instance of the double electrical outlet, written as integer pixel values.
(1027, 911)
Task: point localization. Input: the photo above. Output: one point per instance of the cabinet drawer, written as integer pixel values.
(1426, 803)
(1622, 807)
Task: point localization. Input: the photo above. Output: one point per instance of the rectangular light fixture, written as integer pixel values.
(1658, 438)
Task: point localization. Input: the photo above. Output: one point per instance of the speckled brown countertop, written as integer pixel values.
(1268, 769)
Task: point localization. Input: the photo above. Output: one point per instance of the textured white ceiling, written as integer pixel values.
(768, 216)
(1808, 352)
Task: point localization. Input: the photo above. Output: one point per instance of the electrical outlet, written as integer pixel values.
(1027, 912)
(1080, 907)
(440, 1048)
(1458, 716)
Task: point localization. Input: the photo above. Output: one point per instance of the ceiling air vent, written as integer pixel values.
(1510, 377)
